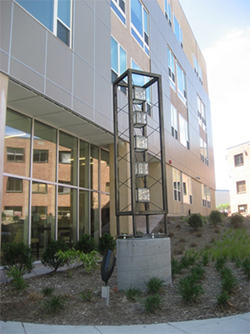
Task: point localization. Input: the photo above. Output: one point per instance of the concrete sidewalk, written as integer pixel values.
(239, 324)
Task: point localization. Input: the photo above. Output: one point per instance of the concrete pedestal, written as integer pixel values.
(140, 259)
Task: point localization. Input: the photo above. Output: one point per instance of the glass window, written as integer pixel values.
(94, 168)
(84, 164)
(15, 212)
(201, 113)
(95, 215)
(187, 189)
(139, 24)
(67, 169)
(53, 14)
(17, 144)
(44, 151)
(238, 160)
(178, 31)
(171, 69)
(118, 7)
(168, 12)
(118, 59)
(38, 187)
(15, 154)
(67, 216)
(206, 197)
(241, 187)
(184, 133)
(174, 122)
(181, 79)
(83, 212)
(195, 64)
(200, 73)
(242, 209)
(177, 184)
(14, 185)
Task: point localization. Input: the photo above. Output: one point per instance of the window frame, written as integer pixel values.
(241, 163)
(140, 38)
(176, 185)
(116, 7)
(178, 31)
(174, 122)
(181, 83)
(184, 132)
(171, 69)
(168, 13)
(15, 154)
(14, 181)
(38, 190)
(40, 152)
(239, 185)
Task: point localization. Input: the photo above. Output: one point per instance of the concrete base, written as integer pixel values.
(140, 259)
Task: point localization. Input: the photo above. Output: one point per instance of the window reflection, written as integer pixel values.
(83, 213)
(94, 168)
(84, 164)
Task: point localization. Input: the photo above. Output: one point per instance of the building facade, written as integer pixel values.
(238, 158)
(58, 61)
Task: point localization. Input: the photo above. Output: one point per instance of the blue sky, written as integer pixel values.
(222, 30)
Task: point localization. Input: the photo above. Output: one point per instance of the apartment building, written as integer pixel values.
(58, 61)
(238, 159)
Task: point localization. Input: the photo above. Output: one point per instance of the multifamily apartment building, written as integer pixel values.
(238, 159)
(58, 61)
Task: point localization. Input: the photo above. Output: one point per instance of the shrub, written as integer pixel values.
(17, 255)
(152, 303)
(131, 293)
(215, 217)
(18, 280)
(72, 256)
(228, 280)
(245, 264)
(54, 304)
(220, 262)
(154, 285)
(50, 257)
(106, 242)
(47, 291)
(189, 288)
(87, 295)
(187, 260)
(197, 272)
(195, 221)
(176, 267)
(237, 220)
(205, 259)
(223, 298)
(86, 244)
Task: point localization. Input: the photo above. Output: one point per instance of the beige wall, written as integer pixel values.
(240, 173)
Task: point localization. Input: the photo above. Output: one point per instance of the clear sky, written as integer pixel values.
(222, 30)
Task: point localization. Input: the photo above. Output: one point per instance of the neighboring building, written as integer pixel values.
(58, 60)
(222, 197)
(238, 158)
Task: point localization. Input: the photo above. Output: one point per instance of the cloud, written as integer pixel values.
(229, 91)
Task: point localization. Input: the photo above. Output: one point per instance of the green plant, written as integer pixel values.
(18, 280)
(237, 220)
(245, 264)
(18, 256)
(195, 221)
(87, 295)
(223, 298)
(187, 260)
(175, 266)
(50, 257)
(228, 280)
(106, 242)
(86, 244)
(197, 272)
(189, 288)
(131, 293)
(73, 256)
(152, 303)
(205, 259)
(54, 304)
(154, 284)
(215, 217)
(220, 262)
(47, 291)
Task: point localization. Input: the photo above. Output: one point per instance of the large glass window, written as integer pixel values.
(84, 165)
(181, 79)
(67, 216)
(44, 152)
(178, 31)
(53, 14)
(95, 218)
(139, 24)
(83, 212)
(118, 7)
(177, 184)
(184, 133)
(187, 189)
(201, 113)
(67, 169)
(206, 197)
(17, 144)
(168, 12)
(94, 168)
(174, 122)
(15, 210)
(118, 59)
(171, 69)
(105, 189)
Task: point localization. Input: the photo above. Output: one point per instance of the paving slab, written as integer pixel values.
(140, 329)
(58, 329)
(10, 327)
